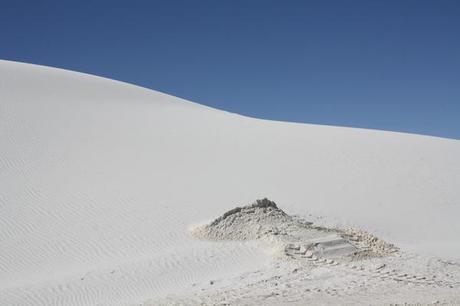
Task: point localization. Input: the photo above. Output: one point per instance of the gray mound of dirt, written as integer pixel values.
(292, 236)
(249, 222)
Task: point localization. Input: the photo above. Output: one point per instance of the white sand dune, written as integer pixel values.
(101, 180)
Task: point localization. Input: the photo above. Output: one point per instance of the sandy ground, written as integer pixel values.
(406, 279)
(314, 265)
(103, 186)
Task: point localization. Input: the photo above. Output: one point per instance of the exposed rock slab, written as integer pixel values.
(291, 236)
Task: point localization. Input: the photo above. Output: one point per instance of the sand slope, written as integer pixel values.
(101, 180)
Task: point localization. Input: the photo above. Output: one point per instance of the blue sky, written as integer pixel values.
(392, 65)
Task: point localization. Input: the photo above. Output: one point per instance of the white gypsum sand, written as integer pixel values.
(292, 237)
(318, 265)
(101, 183)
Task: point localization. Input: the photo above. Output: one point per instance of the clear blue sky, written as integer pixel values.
(392, 65)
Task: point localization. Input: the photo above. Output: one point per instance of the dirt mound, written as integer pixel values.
(249, 222)
(292, 236)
